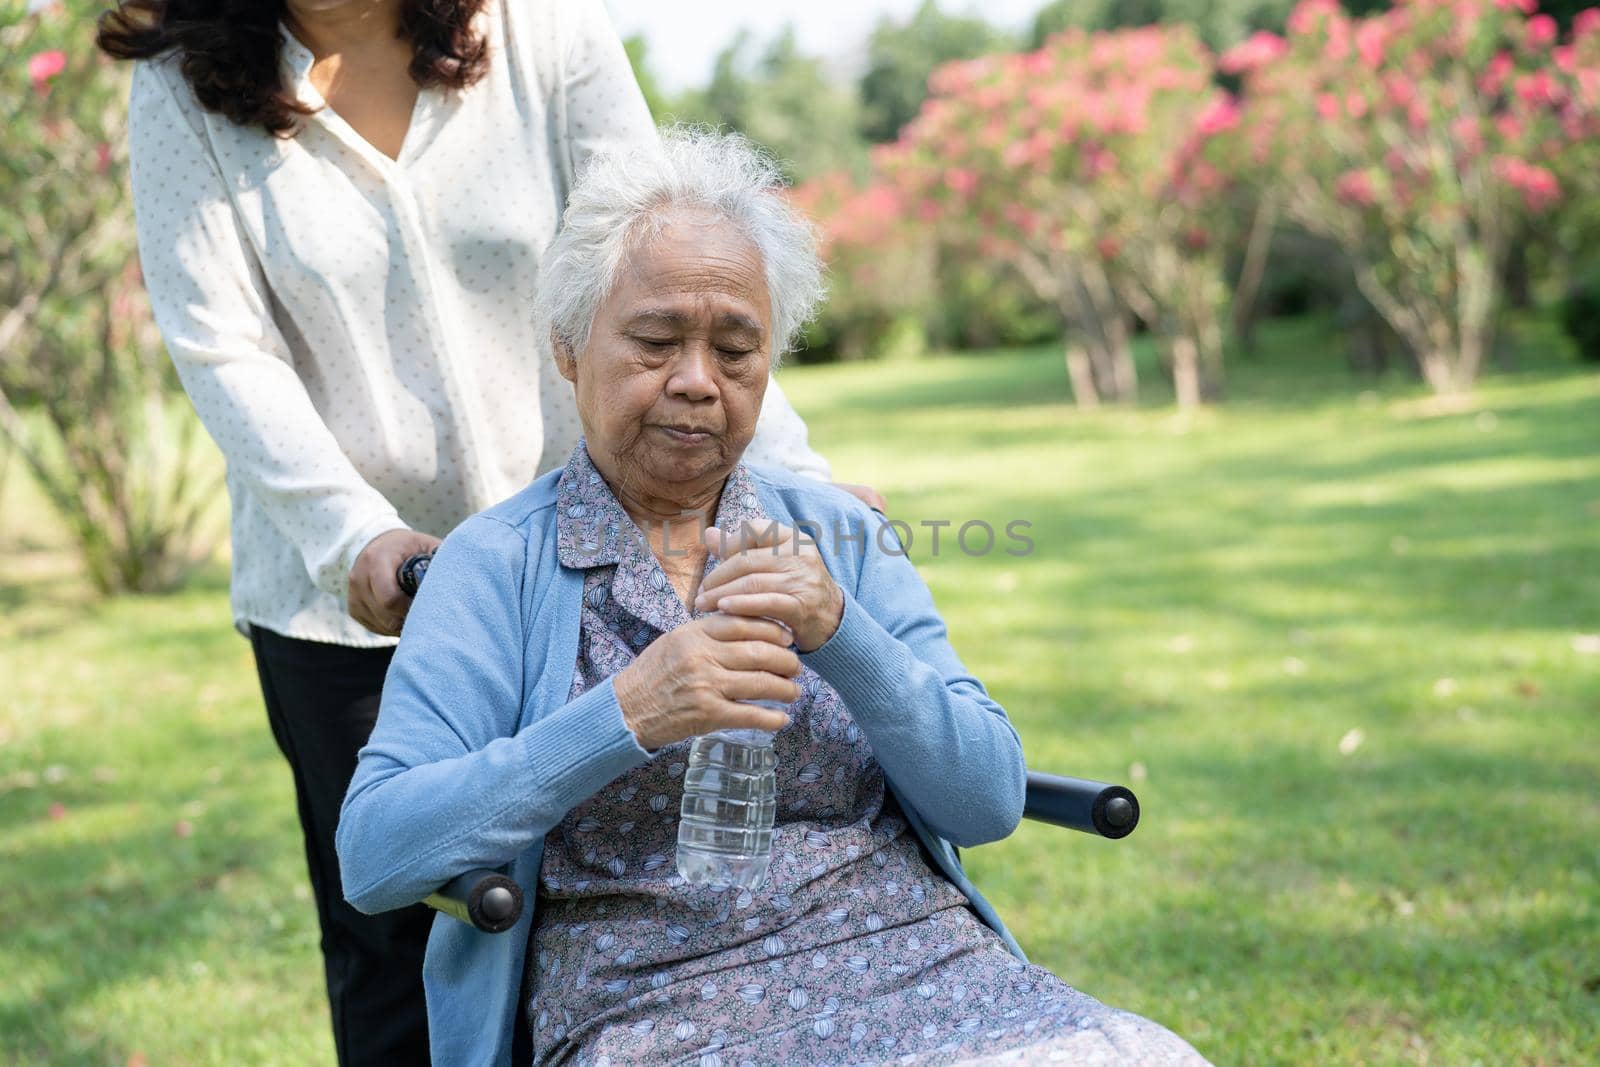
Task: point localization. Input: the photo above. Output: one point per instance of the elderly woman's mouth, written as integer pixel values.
(688, 435)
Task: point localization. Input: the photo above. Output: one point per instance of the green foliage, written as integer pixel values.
(900, 56)
(1580, 313)
(76, 340)
(784, 100)
(1218, 22)
(638, 50)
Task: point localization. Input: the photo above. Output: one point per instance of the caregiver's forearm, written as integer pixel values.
(211, 304)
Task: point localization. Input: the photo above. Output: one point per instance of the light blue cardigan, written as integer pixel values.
(477, 752)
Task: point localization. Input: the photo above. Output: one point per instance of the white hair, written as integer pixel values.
(621, 200)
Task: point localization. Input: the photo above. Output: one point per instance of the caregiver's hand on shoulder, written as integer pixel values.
(690, 681)
(775, 572)
(376, 599)
(866, 494)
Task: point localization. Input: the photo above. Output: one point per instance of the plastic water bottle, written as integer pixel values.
(729, 797)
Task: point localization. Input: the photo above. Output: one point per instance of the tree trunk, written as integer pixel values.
(1186, 371)
(1081, 375)
(1252, 271)
(1124, 374)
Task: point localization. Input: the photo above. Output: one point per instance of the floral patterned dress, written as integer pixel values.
(854, 950)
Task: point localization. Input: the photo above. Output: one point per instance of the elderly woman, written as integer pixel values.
(570, 642)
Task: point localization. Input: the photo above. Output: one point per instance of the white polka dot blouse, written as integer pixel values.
(355, 331)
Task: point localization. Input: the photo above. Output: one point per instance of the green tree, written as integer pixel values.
(784, 100)
(88, 399)
(900, 56)
(1219, 22)
(638, 50)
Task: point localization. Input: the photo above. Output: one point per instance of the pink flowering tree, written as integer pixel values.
(882, 266)
(1575, 155)
(87, 395)
(1091, 167)
(1419, 140)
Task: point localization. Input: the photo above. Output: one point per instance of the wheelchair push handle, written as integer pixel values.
(412, 571)
(488, 900)
(1081, 804)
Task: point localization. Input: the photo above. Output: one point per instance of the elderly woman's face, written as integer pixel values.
(670, 384)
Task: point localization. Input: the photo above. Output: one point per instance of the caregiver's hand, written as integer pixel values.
(866, 494)
(690, 681)
(773, 572)
(376, 599)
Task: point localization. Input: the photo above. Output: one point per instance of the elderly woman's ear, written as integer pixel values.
(566, 361)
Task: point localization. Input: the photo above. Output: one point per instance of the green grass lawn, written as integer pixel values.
(1332, 632)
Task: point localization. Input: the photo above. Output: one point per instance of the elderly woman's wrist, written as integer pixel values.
(822, 636)
(633, 700)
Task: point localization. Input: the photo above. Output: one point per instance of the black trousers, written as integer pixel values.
(322, 702)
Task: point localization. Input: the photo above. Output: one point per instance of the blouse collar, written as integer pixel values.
(593, 529)
(295, 61)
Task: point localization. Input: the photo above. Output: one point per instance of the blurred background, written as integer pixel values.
(1280, 324)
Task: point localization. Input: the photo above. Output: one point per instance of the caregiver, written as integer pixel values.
(342, 206)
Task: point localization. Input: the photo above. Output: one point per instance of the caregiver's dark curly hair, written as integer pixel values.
(229, 50)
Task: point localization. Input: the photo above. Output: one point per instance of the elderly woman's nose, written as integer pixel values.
(694, 374)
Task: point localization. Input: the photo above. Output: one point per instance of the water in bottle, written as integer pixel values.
(729, 796)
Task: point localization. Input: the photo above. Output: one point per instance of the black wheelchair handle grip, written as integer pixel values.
(1080, 804)
(412, 571)
(488, 900)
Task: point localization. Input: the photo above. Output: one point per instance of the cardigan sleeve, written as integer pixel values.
(211, 303)
(448, 782)
(947, 747)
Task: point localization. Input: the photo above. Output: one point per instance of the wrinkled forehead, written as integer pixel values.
(694, 262)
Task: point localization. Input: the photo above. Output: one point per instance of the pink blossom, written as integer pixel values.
(1308, 13)
(1527, 7)
(951, 79)
(1327, 105)
(1355, 186)
(1399, 88)
(43, 66)
(1509, 127)
(1495, 74)
(1536, 88)
(1371, 39)
(1565, 58)
(1355, 104)
(1468, 134)
(102, 157)
(1537, 185)
(1259, 50)
(1585, 22)
(1021, 217)
(1220, 115)
(1541, 31)
(961, 180)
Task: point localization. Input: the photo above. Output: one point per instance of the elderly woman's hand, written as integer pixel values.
(777, 573)
(691, 680)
